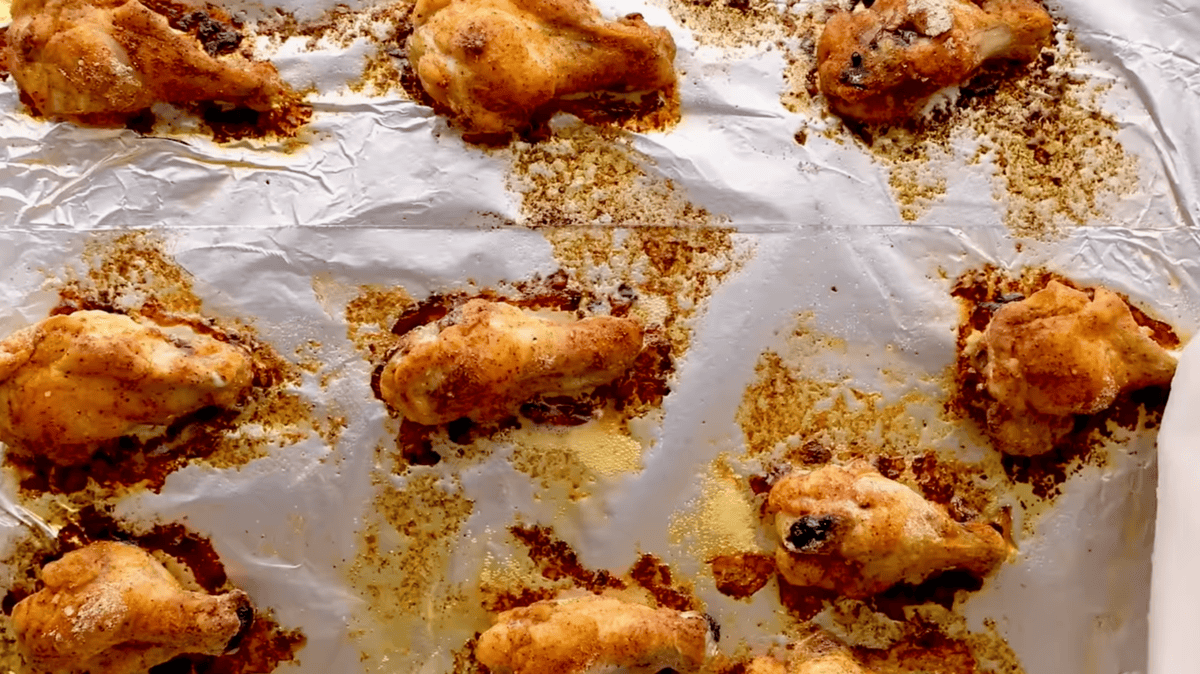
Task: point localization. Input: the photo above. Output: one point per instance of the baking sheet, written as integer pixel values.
(384, 192)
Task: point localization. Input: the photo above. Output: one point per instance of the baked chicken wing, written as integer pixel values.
(497, 64)
(104, 61)
(497, 357)
(112, 608)
(1056, 354)
(594, 634)
(72, 382)
(883, 62)
(856, 532)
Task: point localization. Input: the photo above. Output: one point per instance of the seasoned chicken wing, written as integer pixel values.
(594, 634)
(883, 62)
(1056, 354)
(497, 357)
(111, 608)
(496, 64)
(104, 61)
(72, 382)
(858, 533)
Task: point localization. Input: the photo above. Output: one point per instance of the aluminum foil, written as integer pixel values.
(384, 192)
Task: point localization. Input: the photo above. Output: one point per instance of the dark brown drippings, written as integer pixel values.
(558, 561)
(926, 650)
(650, 573)
(941, 589)
(416, 444)
(741, 575)
(505, 600)
(263, 648)
(93, 524)
(803, 602)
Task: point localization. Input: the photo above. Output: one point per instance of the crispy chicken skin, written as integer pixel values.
(884, 63)
(497, 357)
(103, 61)
(496, 64)
(856, 532)
(74, 381)
(594, 634)
(1056, 354)
(112, 608)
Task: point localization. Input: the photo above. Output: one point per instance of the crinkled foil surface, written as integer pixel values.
(382, 193)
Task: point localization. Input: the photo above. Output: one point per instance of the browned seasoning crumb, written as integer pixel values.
(587, 175)
(134, 274)
(741, 575)
(980, 293)
(557, 560)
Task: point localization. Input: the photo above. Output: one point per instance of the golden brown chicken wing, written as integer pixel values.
(104, 61)
(497, 357)
(112, 608)
(858, 533)
(72, 382)
(1056, 354)
(594, 634)
(498, 64)
(884, 63)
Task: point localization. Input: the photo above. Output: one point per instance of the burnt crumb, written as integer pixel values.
(811, 453)
(650, 573)
(934, 480)
(741, 575)
(142, 123)
(890, 467)
(558, 561)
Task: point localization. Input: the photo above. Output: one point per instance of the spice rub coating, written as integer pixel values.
(104, 61)
(499, 64)
(73, 382)
(858, 533)
(883, 62)
(1057, 354)
(495, 357)
(593, 634)
(112, 608)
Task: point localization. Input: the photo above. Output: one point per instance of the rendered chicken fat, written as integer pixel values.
(1057, 354)
(73, 382)
(884, 63)
(594, 634)
(496, 64)
(858, 533)
(111, 608)
(103, 61)
(497, 357)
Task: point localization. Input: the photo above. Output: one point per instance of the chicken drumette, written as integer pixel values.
(112, 608)
(499, 64)
(105, 61)
(1057, 354)
(882, 62)
(858, 533)
(594, 634)
(496, 357)
(72, 382)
